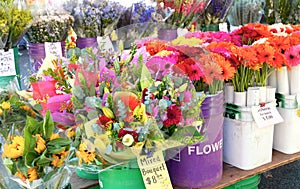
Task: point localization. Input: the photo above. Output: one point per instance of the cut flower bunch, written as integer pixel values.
(37, 159)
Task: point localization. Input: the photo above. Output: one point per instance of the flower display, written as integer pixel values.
(49, 25)
(14, 20)
(37, 157)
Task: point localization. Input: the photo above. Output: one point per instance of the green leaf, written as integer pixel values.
(30, 157)
(92, 90)
(59, 142)
(56, 149)
(43, 161)
(30, 142)
(48, 125)
(146, 78)
(37, 107)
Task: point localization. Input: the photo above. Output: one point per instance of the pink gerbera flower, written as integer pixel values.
(292, 55)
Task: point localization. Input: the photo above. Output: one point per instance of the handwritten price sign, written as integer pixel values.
(154, 171)
(7, 63)
(53, 48)
(266, 115)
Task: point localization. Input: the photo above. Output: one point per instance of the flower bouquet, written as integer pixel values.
(51, 88)
(37, 159)
(216, 12)
(14, 21)
(13, 113)
(129, 111)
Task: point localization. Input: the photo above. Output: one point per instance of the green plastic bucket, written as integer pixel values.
(249, 183)
(120, 178)
(89, 172)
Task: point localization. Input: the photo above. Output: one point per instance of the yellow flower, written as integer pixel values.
(58, 159)
(32, 174)
(40, 144)
(20, 175)
(71, 133)
(54, 136)
(85, 155)
(128, 140)
(14, 149)
(108, 113)
(5, 105)
(26, 108)
(139, 113)
(1, 111)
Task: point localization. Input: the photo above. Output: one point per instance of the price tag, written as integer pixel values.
(53, 48)
(105, 43)
(223, 27)
(266, 115)
(154, 171)
(7, 63)
(182, 31)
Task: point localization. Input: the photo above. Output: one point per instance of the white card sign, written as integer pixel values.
(53, 48)
(105, 43)
(7, 63)
(154, 171)
(223, 27)
(266, 115)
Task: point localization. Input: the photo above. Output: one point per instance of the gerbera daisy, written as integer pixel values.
(292, 55)
(212, 71)
(15, 149)
(174, 115)
(194, 72)
(228, 71)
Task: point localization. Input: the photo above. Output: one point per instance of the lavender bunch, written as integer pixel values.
(217, 11)
(50, 26)
(87, 19)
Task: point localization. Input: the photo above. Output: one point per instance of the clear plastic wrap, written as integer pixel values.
(95, 18)
(246, 11)
(217, 11)
(51, 23)
(14, 20)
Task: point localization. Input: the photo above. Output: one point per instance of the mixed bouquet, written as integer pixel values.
(37, 159)
(49, 25)
(14, 20)
(52, 87)
(125, 110)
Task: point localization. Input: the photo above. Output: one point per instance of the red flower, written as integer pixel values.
(104, 121)
(194, 72)
(174, 115)
(123, 132)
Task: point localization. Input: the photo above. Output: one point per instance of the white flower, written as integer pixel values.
(128, 140)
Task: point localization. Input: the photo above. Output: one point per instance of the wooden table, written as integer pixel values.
(230, 176)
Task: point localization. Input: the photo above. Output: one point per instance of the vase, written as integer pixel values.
(86, 42)
(262, 94)
(201, 164)
(88, 172)
(253, 96)
(229, 89)
(167, 34)
(240, 98)
(271, 94)
(283, 81)
(294, 79)
(37, 54)
(272, 79)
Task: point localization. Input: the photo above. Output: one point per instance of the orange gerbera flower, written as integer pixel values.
(155, 46)
(280, 43)
(85, 155)
(279, 60)
(294, 39)
(228, 71)
(265, 53)
(212, 71)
